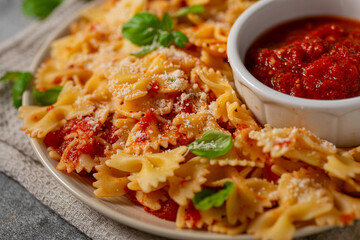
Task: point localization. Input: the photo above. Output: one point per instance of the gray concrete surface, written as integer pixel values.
(11, 18)
(22, 216)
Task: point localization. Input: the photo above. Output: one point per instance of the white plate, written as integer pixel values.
(120, 209)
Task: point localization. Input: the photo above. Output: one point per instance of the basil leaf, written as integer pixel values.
(146, 50)
(39, 8)
(165, 39)
(10, 76)
(20, 85)
(145, 29)
(141, 29)
(212, 144)
(48, 96)
(193, 9)
(166, 23)
(180, 39)
(209, 198)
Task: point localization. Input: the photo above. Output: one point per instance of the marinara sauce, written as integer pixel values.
(315, 58)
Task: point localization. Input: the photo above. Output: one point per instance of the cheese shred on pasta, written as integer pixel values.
(128, 121)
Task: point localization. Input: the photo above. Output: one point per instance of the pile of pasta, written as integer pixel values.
(128, 121)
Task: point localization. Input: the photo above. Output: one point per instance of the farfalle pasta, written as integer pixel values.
(131, 121)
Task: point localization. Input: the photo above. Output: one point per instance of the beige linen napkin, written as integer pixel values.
(18, 160)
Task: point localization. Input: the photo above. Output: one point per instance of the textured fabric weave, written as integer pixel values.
(18, 160)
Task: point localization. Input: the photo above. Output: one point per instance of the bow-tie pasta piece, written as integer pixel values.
(187, 180)
(39, 121)
(110, 182)
(303, 197)
(148, 170)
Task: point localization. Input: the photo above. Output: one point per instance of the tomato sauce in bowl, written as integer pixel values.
(314, 58)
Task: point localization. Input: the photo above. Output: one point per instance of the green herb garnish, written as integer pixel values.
(212, 144)
(209, 198)
(39, 8)
(22, 80)
(165, 39)
(192, 9)
(48, 96)
(145, 29)
(167, 23)
(142, 29)
(10, 76)
(180, 39)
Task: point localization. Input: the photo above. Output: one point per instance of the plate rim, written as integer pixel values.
(97, 204)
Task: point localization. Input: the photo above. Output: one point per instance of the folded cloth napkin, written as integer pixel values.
(18, 160)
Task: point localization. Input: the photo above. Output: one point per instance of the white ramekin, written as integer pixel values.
(337, 121)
